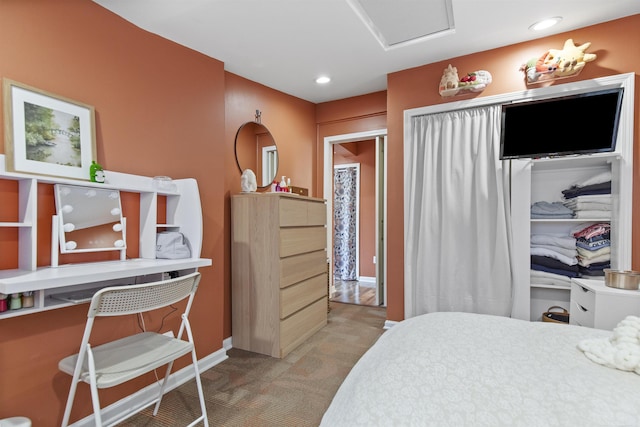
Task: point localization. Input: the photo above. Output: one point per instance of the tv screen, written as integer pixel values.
(575, 124)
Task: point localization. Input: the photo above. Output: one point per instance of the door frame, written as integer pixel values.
(381, 238)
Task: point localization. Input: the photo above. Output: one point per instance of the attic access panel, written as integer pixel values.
(397, 23)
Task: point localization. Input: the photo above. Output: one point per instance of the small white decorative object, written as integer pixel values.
(248, 181)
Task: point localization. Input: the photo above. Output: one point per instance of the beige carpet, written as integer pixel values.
(251, 389)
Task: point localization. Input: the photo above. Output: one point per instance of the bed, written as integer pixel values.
(461, 369)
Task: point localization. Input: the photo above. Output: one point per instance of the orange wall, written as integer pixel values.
(159, 111)
(365, 155)
(291, 122)
(617, 45)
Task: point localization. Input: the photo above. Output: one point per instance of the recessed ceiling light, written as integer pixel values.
(545, 23)
(323, 80)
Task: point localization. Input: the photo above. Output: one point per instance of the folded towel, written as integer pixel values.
(587, 206)
(586, 262)
(601, 188)
(596, 179)
(547, 278)
(567, 242)
(592, 244)
(568, 260)
(550, 209)
(620, 351)
(591, 198)
(592, 214)
(591, 254)
(564, 251)
(589, 231)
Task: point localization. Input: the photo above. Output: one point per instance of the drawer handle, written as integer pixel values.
(584, 310)
(584, 289)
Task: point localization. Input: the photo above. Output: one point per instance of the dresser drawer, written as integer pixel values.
(302, 294)
(581, 316)
(299, 240)
(296, 268)
(583, 296)
(297, 213)
(301, 325)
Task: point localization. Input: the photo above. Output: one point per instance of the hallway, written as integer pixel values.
(355, 292)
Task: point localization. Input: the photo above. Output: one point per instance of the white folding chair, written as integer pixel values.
(115, 362)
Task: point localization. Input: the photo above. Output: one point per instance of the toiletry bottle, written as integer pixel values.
(3, 303)
(274, 186)
(27, 299)
(283, 185)
(15, 303)
(277, 186)
(289, 185)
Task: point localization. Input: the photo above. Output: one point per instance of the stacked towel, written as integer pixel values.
(553, 259)
(546, 278)
(620, 351)
(591, 198)
(593, 248)
(549, 210)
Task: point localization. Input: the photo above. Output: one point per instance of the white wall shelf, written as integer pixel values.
(183, 212)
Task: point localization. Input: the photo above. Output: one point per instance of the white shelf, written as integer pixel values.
(14, 281)
(183, 212)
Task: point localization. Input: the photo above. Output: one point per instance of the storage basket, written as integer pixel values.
(555, 316)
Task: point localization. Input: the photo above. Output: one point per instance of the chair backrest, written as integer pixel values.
(131, 299)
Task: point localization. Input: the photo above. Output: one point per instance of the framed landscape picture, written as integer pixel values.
(46, 134)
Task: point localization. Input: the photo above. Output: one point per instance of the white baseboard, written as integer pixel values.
(139, 400)
(367, 279)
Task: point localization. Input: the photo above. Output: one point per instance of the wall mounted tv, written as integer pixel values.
(582, 123)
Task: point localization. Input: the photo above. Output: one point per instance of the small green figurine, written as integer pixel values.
(96, 173)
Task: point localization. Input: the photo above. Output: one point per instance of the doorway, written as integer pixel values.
(374, 288)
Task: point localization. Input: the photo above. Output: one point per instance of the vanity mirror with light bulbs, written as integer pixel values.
(256, 149)
(88, 219)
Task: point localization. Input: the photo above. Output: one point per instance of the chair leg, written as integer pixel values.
(163, 385)
(203, 408)
(94, 388)
(194, 358)
(72, 390)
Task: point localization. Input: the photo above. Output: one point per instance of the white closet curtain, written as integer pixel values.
(457, 223)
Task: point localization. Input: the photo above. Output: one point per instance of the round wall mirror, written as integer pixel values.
(256, 150)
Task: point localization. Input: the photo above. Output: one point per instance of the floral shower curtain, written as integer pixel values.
(345, 209)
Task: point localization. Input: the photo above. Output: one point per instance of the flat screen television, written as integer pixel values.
(583, 123)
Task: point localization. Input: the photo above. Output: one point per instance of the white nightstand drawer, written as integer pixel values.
(583, 296)
(581, 316)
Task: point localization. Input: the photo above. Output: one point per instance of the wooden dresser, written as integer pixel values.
(279, 271)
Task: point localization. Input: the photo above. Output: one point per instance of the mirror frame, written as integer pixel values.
(253, 167)
(89, 226)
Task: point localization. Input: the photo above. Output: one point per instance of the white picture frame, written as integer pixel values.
(46, 134)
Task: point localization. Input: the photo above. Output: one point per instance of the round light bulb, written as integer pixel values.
(67, 209)
(68, 227)
(117, 227)
(118, 243)
(70, 245)
(115, 211)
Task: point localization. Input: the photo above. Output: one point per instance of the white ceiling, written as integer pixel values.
(286, 44)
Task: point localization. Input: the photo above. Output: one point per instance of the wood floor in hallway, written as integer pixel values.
(355, 292)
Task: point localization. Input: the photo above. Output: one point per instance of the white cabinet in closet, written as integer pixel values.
(543, 180)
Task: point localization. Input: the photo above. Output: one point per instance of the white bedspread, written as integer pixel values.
(460, 369)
